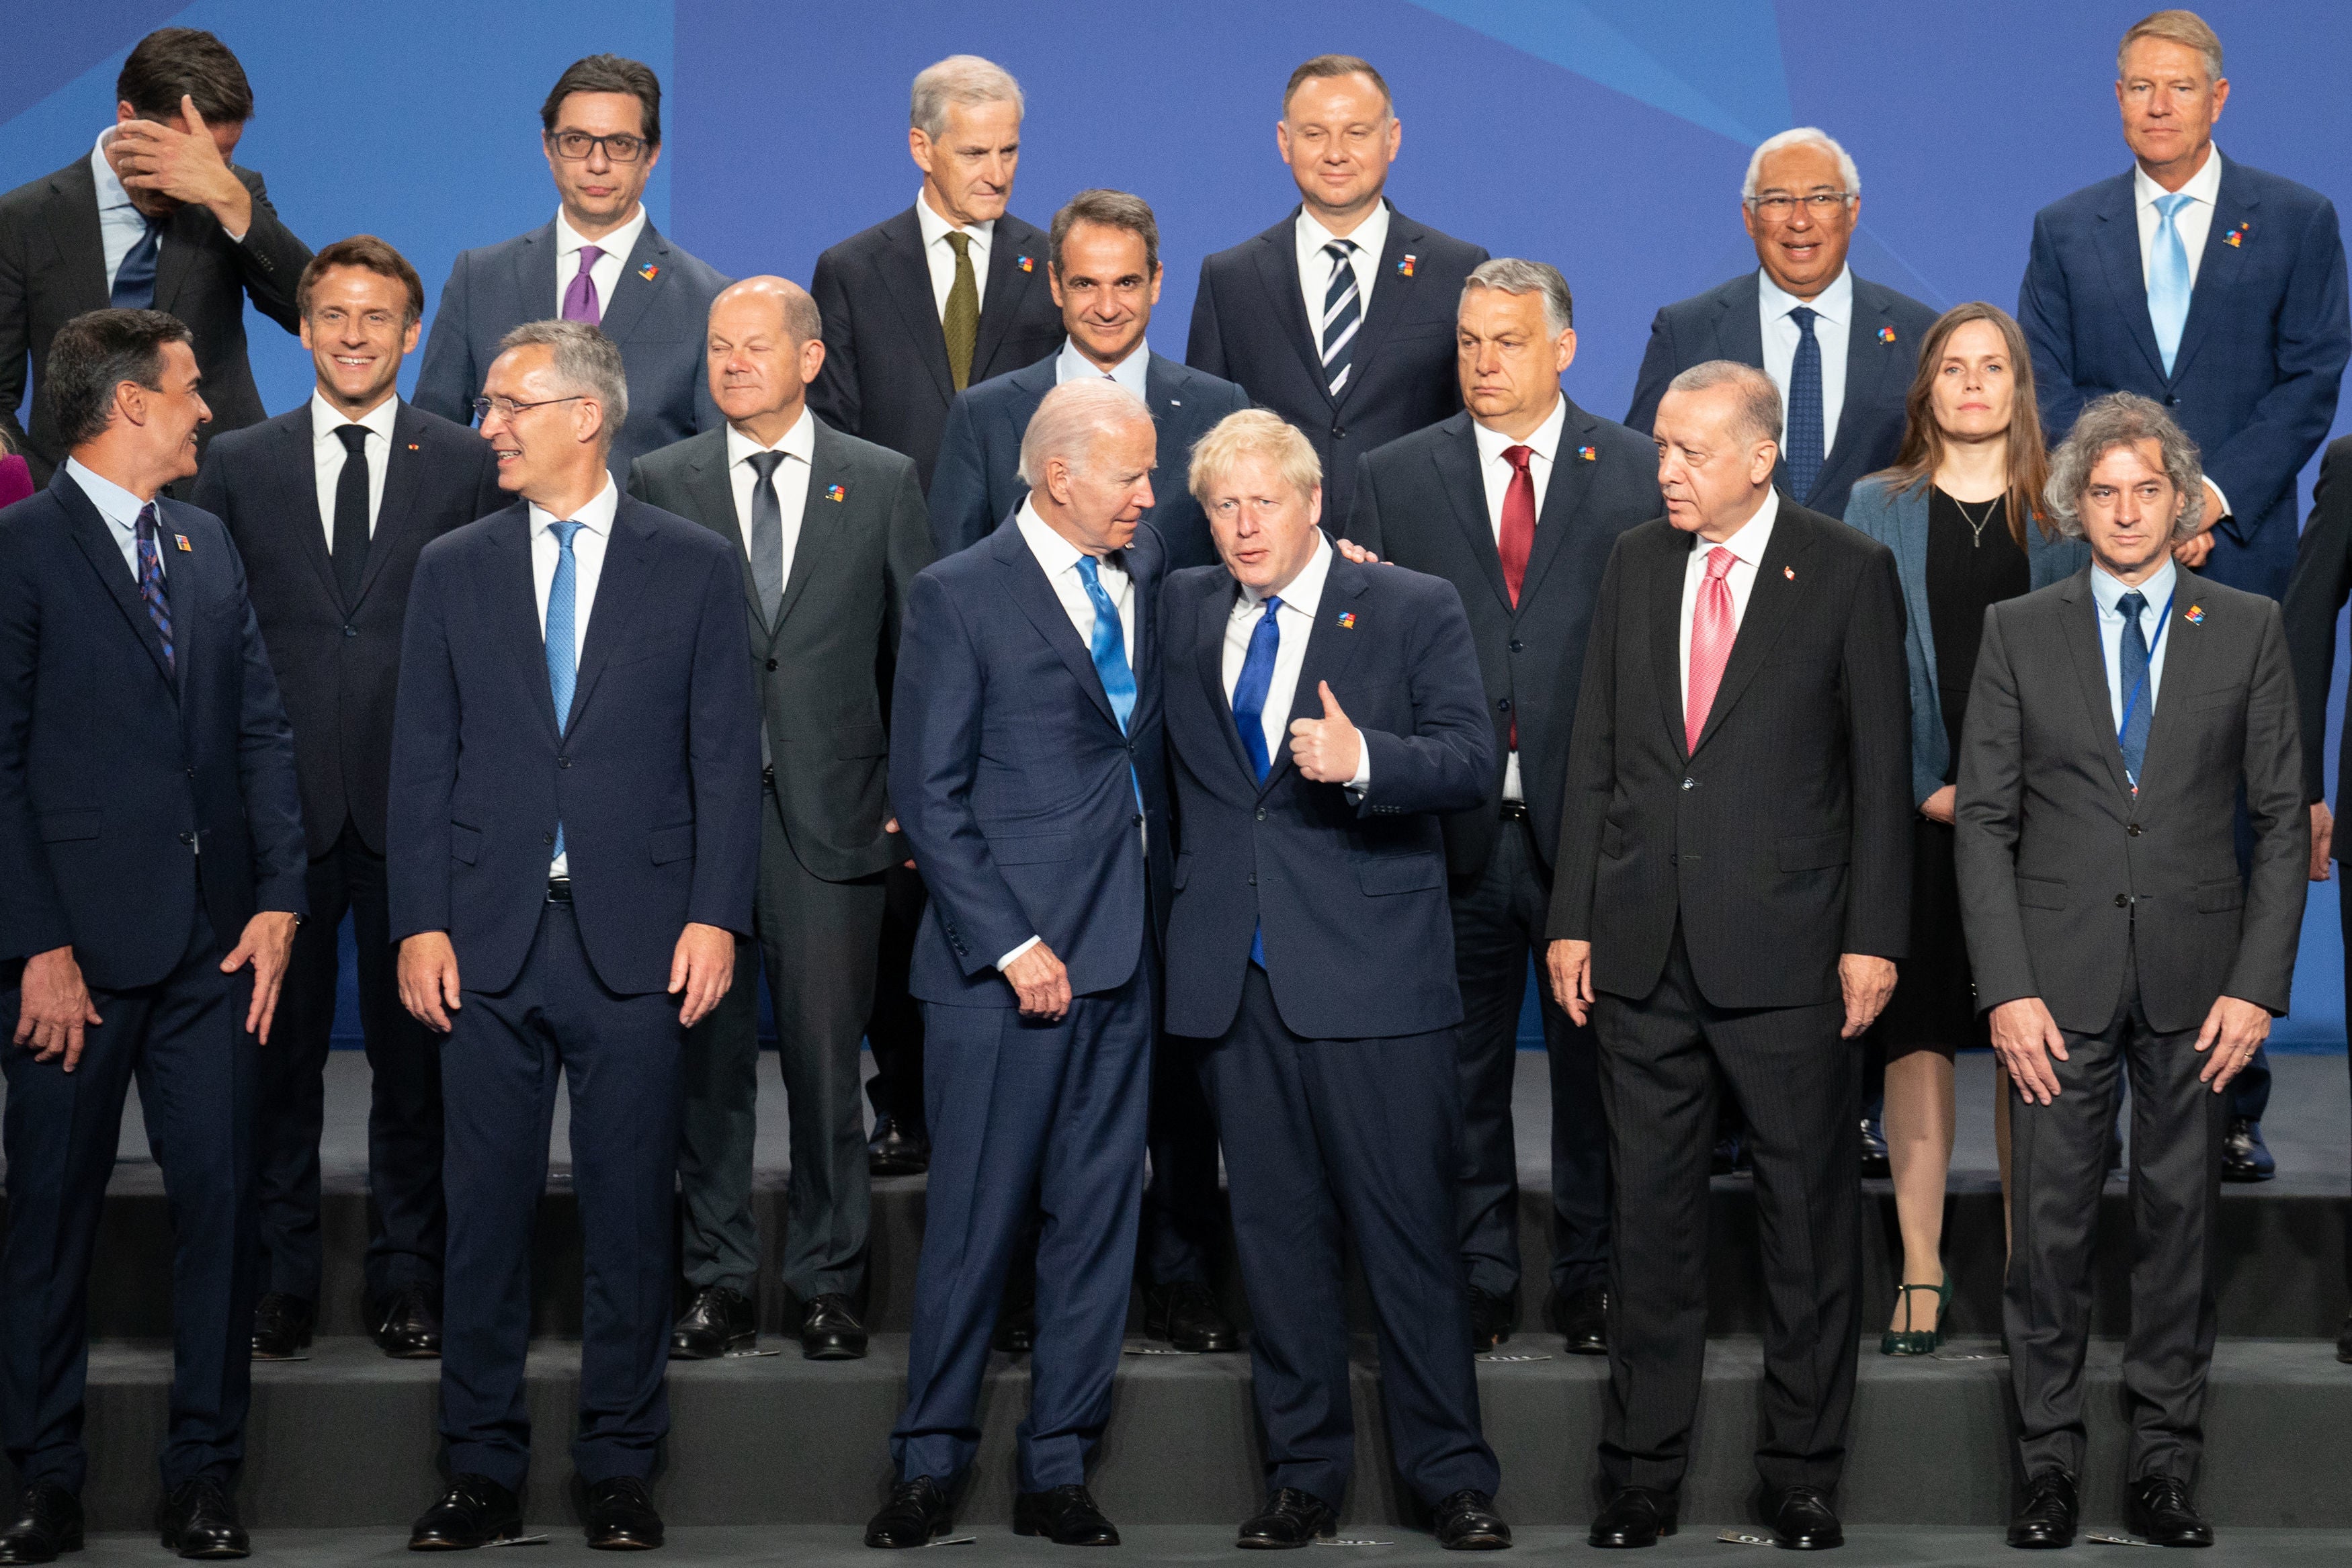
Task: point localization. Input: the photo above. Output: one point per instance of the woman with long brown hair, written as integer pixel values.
(1961, 509)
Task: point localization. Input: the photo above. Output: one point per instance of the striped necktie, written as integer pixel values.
(153, 591)
(1342, 313)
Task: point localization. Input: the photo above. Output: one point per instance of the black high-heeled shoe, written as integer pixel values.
(1910, 1341)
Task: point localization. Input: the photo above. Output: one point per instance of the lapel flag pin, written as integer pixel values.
(835, 493)
(2236, 237)
(1588, 453)
(414, 447)
(2195, 615)
(182, 540)
(1347, 620)
(1026, 264)
(1886, 334)
(1405, 266)
(1790, 573)
(649, 272)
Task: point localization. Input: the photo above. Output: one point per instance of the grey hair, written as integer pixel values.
(2122, 419)
(1073, 416)
(586, 362)
(1802, 136)
(1509, 275)
(966, 80)
(2184, 28)
(1758, 413)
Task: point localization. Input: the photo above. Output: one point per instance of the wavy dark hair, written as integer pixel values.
(1923, 439)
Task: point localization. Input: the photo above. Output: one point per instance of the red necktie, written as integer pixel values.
(1712, 630)
(1518, 536)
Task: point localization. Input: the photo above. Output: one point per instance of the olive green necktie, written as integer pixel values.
(961, 320)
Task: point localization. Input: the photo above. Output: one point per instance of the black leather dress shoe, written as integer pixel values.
(1493, 1319)
(196, 1519)
(621, 1516)
(721, 1320)
(830, 1330)
(1017, 1325)
(894, 1150)
(2244, 1155)
(1066, 1514)
(916, 1514)
(475, 1512)
(1636, 1516)
(1188, 1317)
(1291, 1518)
(2157, 1509)
(1802, 1520)
(1467, 1521)
(2047, 1516)
(1583, 1319)
(282, 1326)
(409, 1329)
(1875, 1160)
(46, 1520)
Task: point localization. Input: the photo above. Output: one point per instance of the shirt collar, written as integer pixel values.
(616, 244)
(799, 441)
(937, 228)
(1305, 594)
(1544, 440)
(1055, 553)
(1130, 372)
(596, 516)
(2205, 185)
(1754, 536)
(2109, 591)
(1834, 303)
(326, 419)
(115, 503)
(1371, 239)
(111, 192)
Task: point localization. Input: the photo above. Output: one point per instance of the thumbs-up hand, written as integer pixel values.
(1326, 749)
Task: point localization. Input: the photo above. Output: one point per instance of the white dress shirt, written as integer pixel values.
(1130, 372)
(1496, 471)
(1747, 545)
(940, 257)
(1833, 324)
(606, 272)
(799, 447)
(2195, 220)
(2109, 592)
(588, 567)
(328, 454)
(1059, 560)
(120, 509)
(1295, 623)
(1371, 239)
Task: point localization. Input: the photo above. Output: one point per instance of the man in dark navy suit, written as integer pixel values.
(2218, 291)
(1841, 348)
(1340, 317)
(1105, 273)
(151, 880)
(574, 836)
(1321, 715)
(1517, 501)
(1026, 764)
(329, 506)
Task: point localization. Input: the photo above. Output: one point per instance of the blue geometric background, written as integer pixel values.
(1606, 136)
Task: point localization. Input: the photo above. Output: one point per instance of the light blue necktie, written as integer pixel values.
(1110, 655)
(2132, 674)
(563, 653)
(2167, 279)
(1249, 715)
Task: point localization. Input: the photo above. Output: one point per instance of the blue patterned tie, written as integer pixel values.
(134, 280)
(1249, 716)
(562, 644)
(2167, 279)
(1110, 655)
(1342, 314)
(1805, 442)
(153, 590)
(2131, 665)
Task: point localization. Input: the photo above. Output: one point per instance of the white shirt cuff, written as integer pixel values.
(2227, 510)
(1006, 962)
(1363, 781)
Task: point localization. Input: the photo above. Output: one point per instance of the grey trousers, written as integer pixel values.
(817, 941)
(2058, 1157)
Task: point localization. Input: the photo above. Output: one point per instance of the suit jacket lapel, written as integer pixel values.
(2115, 236)
(536, 290)
(907, 278)
(1278, 271)
(1025, 581)
(2218, 269)
(1875, 376)
(1330, 651)
(1770, 605)
(620, 588)
(404, 470)
(1570, 477)
(822, 520)
(713, 493)
(999, 302)
(516, 607)
(1389, 295)
(1667, 569)
(72, 220)
(95, 539)
(632, 295)
(183, 234)
(2184, 657)
(298, 468)
(2081, 623)
(1465, 486)
(1215, 608)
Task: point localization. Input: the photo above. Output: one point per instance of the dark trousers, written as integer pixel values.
(2058, 1166)
(894, 1026)
(816, 939)
(619, 1057)
(406, 1221)
(1364, 1133)
(1498, 921)
(1799, 1085)
(183, 1041)
(1026, 1116)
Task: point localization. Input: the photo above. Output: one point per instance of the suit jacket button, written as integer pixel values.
(1690, 783)
(563, 762)
(350, 631)
(2170, 401)
(191, 838)
(546, 838)
(2133, 830)
(1517, 646)
(771, 664)
(1339, 433)
(1502, 704)
(2123, 900)
(1674, 860)
(1138, 818)
(1253, 879)
(1261, 813)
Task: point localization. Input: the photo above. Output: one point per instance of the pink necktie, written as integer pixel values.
(1712, 630)
(580, 302)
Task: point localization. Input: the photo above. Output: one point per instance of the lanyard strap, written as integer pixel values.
(2131, 702)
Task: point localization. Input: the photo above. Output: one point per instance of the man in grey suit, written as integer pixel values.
(600, 261)
(831, 530)
(2115, 715)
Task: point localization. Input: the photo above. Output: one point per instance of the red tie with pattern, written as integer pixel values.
(1518, 540)
(1712, 630)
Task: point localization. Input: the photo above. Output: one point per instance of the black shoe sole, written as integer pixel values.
(446, 1544)
(943, 1528)
(1260, 1543)
(1621, 1545)
(833, 1350)
(735, 1342)
(208, 1553)
(1810, 1542)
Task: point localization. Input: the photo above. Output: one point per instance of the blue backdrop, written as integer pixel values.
(1606, 136)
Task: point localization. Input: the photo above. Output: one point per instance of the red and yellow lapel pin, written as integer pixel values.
(1404, 267)
(835, 493)
(1347, 620)
(1025, 263)
(1886, 334)
(1588, 453)
(2237, 236)
(2194, 616)
(182, 540)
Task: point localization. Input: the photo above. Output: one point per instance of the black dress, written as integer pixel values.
(1973, 564)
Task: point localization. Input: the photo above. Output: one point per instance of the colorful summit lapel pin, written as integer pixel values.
(2237, 236)
(1886, 334)
(1025, 263)
(182, 540)
(835, 493)
(1347, 620)
(1588, 454)
(649, 272)
(1404, 267)
(2194, 616)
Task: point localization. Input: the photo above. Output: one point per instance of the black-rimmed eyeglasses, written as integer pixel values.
(575, 145)
(507, 408)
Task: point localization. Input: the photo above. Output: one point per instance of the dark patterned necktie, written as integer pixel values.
(1805, 421)
(1342, 314)
(153, 590)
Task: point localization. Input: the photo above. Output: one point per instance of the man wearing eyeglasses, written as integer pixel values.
(600, 261)
(1841, 348)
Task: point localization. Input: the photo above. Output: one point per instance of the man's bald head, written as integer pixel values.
(765, 345)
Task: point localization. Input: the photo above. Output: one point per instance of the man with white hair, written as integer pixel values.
(1840, 348)
(1025, 765)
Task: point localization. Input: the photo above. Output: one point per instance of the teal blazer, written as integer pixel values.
(1898, 520)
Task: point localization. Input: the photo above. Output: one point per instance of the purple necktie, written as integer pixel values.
(579, 295)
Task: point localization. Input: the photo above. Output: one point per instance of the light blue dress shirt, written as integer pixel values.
(120, 225)
(2109, 592)
(1130, 372)
(120, 509)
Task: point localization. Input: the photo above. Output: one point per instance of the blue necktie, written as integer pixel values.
(1805, 442)
(2167, 279)
(563, 653)
(134, 280)
(1249, 715)
(2131, 667)
(1110, 655)
(153, 591)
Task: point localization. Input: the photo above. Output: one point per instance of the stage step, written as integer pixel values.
(348, 1438)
